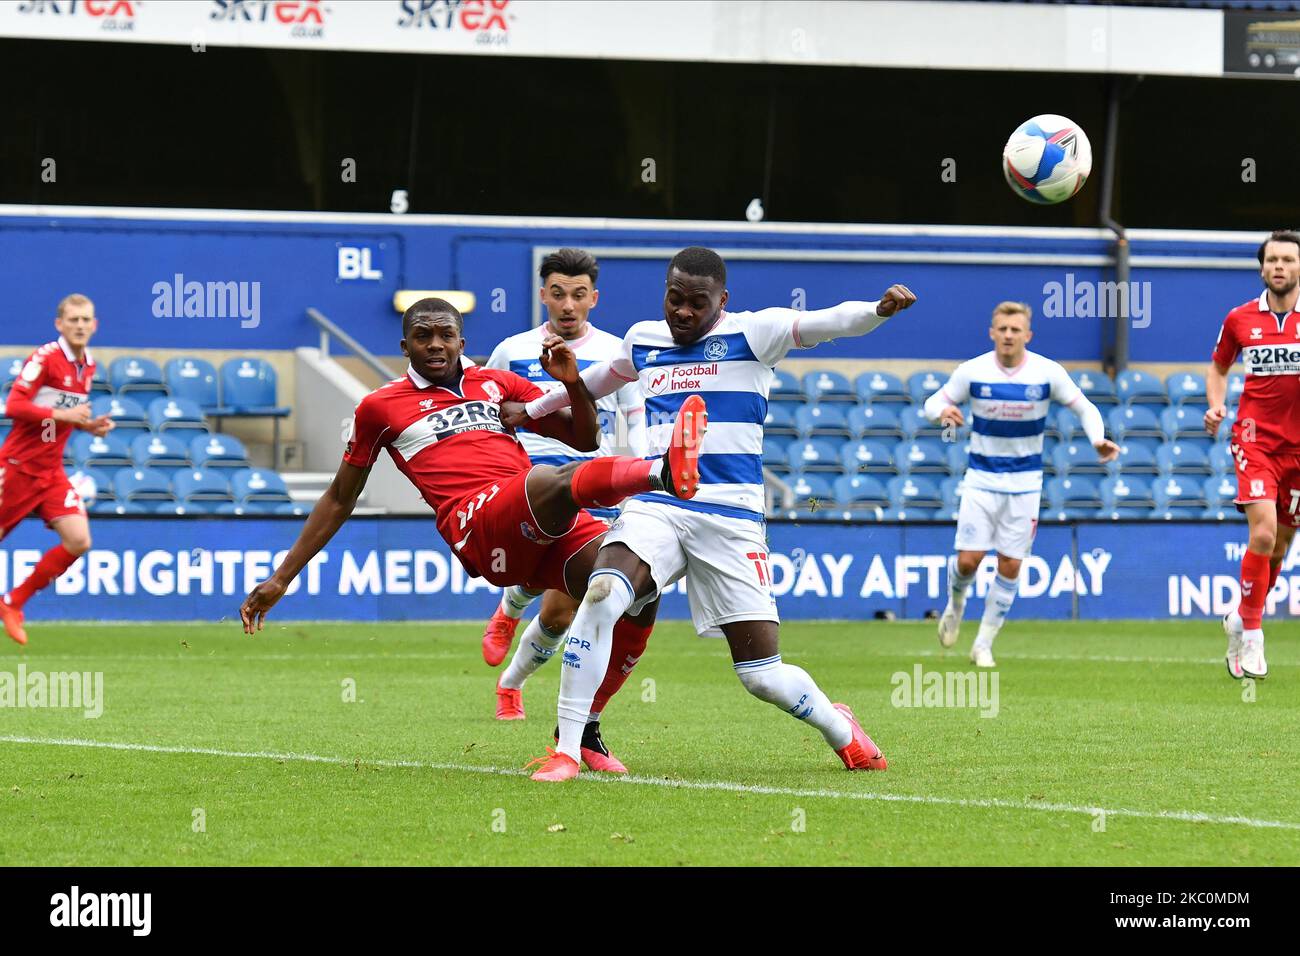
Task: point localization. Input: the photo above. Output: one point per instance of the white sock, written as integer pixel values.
(586, 653)
(996, 605)
(1253, 634)
(515, 601)
(535, 649)
(958, 585)
(791, 689)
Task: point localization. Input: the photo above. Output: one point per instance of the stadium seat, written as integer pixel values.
(195, 379)
(290, 508)
(822, 513)
(229, 509)
(1236, 385)
(916, 425)
(1140, 387)
(175, 508)
(1136, 458)
(1186, 387)
(102, 480)
(924, 384)
(1073, 493)
(1068, 425)
(117, 508)
(1222, 513)
(142, 484)
(867, 456)
(827, 386)
(1219, 491)
(11, 366)
(196, 507)
(1129, 496)
(774, 454)
(958, 457)
(1183, 458)
(255, 484)
(90, 451)
(1180, 491)
(915, 491)
(779, 420)
(1096, 387)
(785, 388)
(217, 451)
(857, 492)
(822, 421)
(129, 418)
(1184, 421)
(200, 484)
(923, 456)
(814, 454)
(912, 513)
(875, 421)
(138, 375)
(1134, 421)
(248, 387)
(99, 384)
(950, 490)
(811, 491)
(1077, 458)
(873, 387)
(1221, 460)
(169, 413)
(159, 450)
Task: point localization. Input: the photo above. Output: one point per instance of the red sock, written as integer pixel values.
(53, 563)
(1254, 589)
(604, 482)
(629, 644)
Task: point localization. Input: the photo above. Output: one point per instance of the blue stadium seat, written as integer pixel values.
(1219, 491)
(1127, 496)
(175, 508)
(1134, 421)
(815, 454)
(785, 388)
(950, 490)
(99, 384)
(779, 420)
(958, 457)
(822, 421)
(1221, 460)
(1181, 491)
(1183, 458)
(168, 413)
(923, 456)
(1097, 387)
(822, 513)
(912, 513)
(1186, 387)
(915, 491)
(774, 454)
(195, 379)
(136, 374)
(101, 478)
(291, 508)
(128, 415)
(1073, 493)
(217, 451)
(827, 386)
(11, 366)
(1140, 387)
(867, 456)
(229, 509)
(159, 450)
(1068, 425)
(248, 388)
(89, 451)
(117, 508)
(1077, 458)
(924, 384)
(1184, 421)
(200, 484)
(880, 387)
(1236, 385)
(857, 492)
(142, 484)
(1222, 513)
(916, 425)
(256, 484)
(1136, 458)
(811, 491)
(875, 421)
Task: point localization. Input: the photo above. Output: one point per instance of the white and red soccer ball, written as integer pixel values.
(1047, 159)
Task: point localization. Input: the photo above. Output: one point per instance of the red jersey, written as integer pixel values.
(448, 440)
(1270, 350)
(50, 379)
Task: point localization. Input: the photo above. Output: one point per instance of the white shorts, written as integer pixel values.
(724, 560)
(997, 521)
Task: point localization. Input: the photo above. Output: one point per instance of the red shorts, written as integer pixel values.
(495, 535)
(50, 495)
(1268, 476)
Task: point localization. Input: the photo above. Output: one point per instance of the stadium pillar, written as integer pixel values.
(1115, 354)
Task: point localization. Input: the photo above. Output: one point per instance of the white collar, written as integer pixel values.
(67, 350)
(421, 382)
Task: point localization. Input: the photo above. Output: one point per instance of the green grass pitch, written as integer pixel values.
(216, 748)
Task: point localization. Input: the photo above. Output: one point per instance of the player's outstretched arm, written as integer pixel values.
(1216, 393)
(577, 426)
(332, 510)
(601, 380)
(851, 318)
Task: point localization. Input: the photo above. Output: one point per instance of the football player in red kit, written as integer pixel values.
(505, 519)
(1265, 332)
(49, 399)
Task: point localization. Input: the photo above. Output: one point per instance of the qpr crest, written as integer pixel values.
(1034, 393)
(715, 349)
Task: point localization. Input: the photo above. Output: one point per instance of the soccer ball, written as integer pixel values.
(1047, 159)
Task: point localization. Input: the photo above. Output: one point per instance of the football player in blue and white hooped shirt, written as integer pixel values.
(717, 538)
(569, 293)
(1010, 390)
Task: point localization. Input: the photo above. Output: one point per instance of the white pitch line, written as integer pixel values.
(1183, 816)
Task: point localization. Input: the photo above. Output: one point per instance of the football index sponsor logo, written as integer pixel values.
(486, 20)
(74, 908)
(305, 18)
(118, 15)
